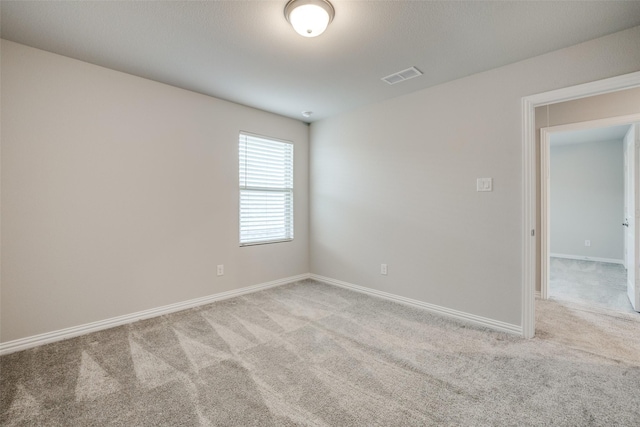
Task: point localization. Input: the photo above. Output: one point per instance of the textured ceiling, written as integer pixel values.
(245, 51)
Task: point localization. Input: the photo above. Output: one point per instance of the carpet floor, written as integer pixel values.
(589, 282)
(311, 354)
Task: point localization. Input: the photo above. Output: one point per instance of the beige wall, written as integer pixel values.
(395, 182)
(119, 194)
(614, 104)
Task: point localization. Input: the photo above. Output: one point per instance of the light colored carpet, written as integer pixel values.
(313, 354)
(589, 282)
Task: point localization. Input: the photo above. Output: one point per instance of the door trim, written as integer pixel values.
(530, 173)
(545, 167)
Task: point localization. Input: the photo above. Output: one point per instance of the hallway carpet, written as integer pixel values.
(317, 355)
(594, 283)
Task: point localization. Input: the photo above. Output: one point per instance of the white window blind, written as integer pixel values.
(266, 190)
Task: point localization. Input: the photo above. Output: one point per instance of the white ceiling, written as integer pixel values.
(611, 133)
(245, 51)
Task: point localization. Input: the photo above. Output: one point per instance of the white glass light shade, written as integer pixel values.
(309, 17)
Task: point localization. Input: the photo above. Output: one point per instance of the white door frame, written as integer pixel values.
(545, 163)
(530, 173)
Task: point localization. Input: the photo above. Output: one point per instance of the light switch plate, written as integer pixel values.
(484, 184)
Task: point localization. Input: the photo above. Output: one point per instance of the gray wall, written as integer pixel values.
(120, 194)
(395, 182)
(392, 182)
(587, 199)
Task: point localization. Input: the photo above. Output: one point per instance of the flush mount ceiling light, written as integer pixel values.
(309, 17)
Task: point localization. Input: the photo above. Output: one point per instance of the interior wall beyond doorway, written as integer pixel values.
(614, 104)
(587, 201)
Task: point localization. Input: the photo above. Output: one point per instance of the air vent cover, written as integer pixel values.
(403, 75)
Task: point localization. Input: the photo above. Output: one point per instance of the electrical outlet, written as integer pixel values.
(383, 269)
(221, 270)
(484, 184)
(587, 242)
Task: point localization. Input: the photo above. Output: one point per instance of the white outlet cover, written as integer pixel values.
(484, 184)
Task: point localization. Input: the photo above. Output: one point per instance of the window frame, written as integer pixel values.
(287, 191)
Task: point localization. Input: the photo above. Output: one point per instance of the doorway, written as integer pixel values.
(587, 191)
(531, 173)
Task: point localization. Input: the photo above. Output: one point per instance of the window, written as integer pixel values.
(266, 190)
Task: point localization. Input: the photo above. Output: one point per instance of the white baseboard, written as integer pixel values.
(74, 331)
(62, 334)
(588, 258)
(538, 294)
(459, 315)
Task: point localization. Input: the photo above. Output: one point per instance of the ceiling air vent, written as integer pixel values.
(403, 75)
